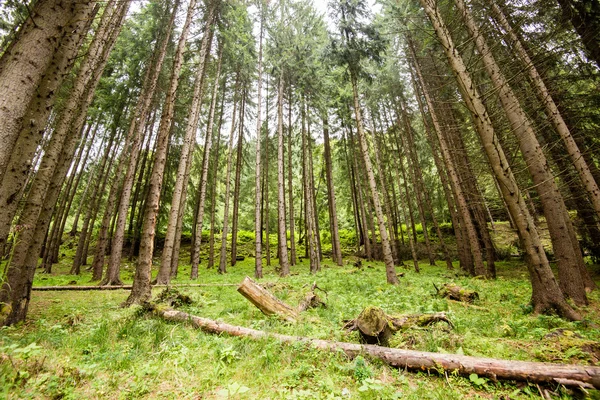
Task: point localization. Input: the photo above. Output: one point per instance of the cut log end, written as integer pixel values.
(265, 301)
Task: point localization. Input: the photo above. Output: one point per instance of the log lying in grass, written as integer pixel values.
(455, 292)
(121, 287)
(376, 327)
(494, 369)
(265, 301)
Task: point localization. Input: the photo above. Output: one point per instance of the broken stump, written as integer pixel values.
(376, 327)
(454, 292)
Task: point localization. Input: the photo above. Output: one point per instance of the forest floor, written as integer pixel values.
(78, 344)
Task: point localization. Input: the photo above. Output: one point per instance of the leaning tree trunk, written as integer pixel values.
(464, 216)
(382, 183)
(546, 292)
(33, 105)
(165, 270)
(46, 42)
(390, 269)
(45, 188)
(564, 243)
(416, 177)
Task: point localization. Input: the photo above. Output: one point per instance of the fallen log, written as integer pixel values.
(265, 301)
(120, 287)
(454, 292)
(376, 327)
(494, 369)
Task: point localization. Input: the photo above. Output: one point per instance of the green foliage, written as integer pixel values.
(82, 344)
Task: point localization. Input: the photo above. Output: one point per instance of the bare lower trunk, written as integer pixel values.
(545, 290)
(46, 42)
(258, 273)
(290, 185)
(45, 189)
(284, 265)
(311, 231)
(236, 189)
(388, 259)
(223, 256)
(564, 243)
(333, 222)
(470, 237)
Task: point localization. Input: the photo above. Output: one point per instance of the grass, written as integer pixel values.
(83, 345)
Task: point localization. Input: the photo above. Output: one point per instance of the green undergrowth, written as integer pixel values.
(82, 344)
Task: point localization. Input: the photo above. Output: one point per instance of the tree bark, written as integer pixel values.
(564, 243)
(266, 302)
(311, 231)
(284, 265)
(223, 256)
(390, 269)
(536, 372)
(333, 222)
(236, 188)
(546, 292)
(166, 268)
(290, 181)
(34, 65)
(258, 273)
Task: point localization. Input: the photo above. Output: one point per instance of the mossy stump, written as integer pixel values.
(376, 327)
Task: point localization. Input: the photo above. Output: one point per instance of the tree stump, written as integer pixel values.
(265, 301)
(455, 292)
(311, 299)
(376, 327)
(373, 325)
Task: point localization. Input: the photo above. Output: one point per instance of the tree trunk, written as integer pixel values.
(336, 249)
(166, 266)
(390, 269)
(284, 265)
(223, 256)
(214, 187)
(258, 272)
(569, 375)
(266, 302)
(417, 180)
(25, 114)
(546, 292)
(196, 107)
(141, 291)
(564, 243)
(45, 188)
(290, 182)
(236, 189)
(470, 237)
(311, 231)
(32, 68)
(136, 130)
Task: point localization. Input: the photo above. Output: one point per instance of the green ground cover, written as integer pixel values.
(83, 345)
